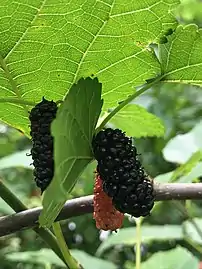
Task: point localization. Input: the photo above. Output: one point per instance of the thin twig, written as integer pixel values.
(83, 205)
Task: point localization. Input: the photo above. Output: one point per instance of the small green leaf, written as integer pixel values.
(186, 168)
(127, 236)
(189, 10)
(180, 148)
(192, 175)
(179, 258)
(137, 122)
(195, 173)
(72, 130)
(181, 56)
(43, 256)
(189, 177)
(5, 208)
(47, 256)
(18, 159)
(191, 231)
(164, 178)
(90, 262)
(7, 146)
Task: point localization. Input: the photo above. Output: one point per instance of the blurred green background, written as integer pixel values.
(169, 236)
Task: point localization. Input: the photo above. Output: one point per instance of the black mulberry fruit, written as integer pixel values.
(124, 178)
(41, 117)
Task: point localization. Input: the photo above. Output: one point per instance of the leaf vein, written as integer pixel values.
(90, 45)
(33, 20)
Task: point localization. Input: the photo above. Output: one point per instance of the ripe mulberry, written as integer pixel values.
(105, 214)
(41, 117)
(124, 178)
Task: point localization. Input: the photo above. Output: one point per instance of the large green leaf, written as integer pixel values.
(181, 56)
(46, 46)
(137, 122)
(85, 183)
(127, 236)
(179, 258)
(72, 130)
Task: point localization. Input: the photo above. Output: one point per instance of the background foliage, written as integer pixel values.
(169, 234)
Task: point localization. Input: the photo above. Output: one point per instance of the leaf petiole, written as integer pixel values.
(127, 101)
(72, 263)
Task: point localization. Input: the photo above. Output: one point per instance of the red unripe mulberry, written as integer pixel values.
(105, 214)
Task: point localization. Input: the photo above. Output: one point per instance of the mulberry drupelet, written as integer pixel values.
(124, 178)
(41, 117)
(105, 214)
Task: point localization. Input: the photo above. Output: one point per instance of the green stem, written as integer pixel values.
(48, 266)
(59, 102)
(17, 101)
(18, 206)
(11, 199)
(187, 215)
(138, 243)
(197, 247)
(127, 101)
(72, 263)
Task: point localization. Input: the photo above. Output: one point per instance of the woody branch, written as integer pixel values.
(84, 205)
